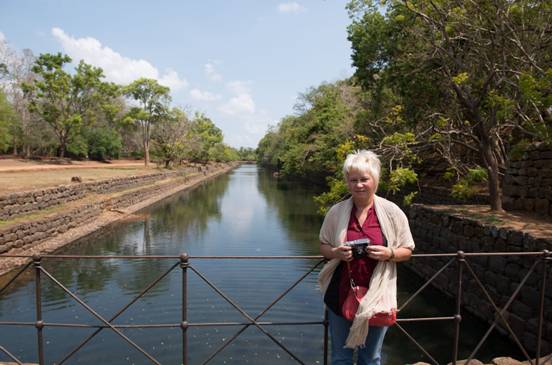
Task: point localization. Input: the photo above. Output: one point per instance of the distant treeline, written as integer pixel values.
(46, 110)
(447, 90)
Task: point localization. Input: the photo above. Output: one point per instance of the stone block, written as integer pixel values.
(505, 361)
(497, 264)
(542, 206)
(520, 309)
(529, 204)
(515, 238)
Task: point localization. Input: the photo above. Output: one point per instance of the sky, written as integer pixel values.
(242, 63)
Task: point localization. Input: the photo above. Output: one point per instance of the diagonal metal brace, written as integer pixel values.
(87, 307)
(10, 355)
(500, 312)
(274, 302)
(123, 309)
(245, 314)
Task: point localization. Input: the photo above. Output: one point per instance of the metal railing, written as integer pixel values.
(184, 263)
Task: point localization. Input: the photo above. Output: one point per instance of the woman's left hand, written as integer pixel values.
(380, 253)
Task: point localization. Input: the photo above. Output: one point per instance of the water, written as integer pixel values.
(246, 212)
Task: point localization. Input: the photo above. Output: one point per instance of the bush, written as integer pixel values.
(103, 144)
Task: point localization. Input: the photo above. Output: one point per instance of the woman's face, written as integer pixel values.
(361, 185)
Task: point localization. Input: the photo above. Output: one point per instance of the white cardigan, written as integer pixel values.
(382, 294)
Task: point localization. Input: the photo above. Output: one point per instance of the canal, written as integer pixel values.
(246, 212)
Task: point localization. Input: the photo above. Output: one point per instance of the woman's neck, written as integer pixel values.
(364, 204)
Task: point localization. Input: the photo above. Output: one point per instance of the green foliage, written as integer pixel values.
(401, 177)
(465, 188)
(206, 136)
(477, 175)
(307, 145)
(7, 121)
(247, 154)
(77, 146)
(517, 151)
(409, 198)
(153, 99)
(103, 144)
(471, 77)
(337, 192)
(68, 102)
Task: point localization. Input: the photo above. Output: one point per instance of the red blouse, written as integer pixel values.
(361, 268)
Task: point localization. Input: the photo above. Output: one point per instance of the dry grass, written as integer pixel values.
(16, 175)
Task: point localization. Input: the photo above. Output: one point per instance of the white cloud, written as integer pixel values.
(212, 73)
(239, 104)
(2, 37)
(117, 68)
(242, 101)
(238, 87)
(199, 95)
(291, 7)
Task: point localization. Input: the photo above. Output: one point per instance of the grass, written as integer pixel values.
(29, 180)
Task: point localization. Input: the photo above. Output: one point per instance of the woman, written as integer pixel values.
(364, 215)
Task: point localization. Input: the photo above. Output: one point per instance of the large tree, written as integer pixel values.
(153, 100)
(475, 74)
(204, 136)
(65, 101)
(170, 139)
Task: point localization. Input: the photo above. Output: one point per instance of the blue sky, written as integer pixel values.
(241, 62)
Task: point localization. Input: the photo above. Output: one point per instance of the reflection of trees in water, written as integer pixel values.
(187, 214)
(184, 214)
(294, 205)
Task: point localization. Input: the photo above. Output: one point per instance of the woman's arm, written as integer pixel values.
(343, 253)
(383, 253)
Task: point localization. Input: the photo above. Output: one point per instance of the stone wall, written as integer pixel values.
(17, 204)
(437, 231)
(527, 183)
(38, 230)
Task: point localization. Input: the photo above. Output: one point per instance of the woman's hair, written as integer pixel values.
(365, 161)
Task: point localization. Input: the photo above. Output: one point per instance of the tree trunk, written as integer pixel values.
(491, 163)
(146, 153)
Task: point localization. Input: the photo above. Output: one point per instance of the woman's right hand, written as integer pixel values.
(344, 253)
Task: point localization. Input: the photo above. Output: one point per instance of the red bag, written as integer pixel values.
(350, 306)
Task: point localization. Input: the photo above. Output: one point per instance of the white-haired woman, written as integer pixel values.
(363, 216)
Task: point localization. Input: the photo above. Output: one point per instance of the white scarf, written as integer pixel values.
(382, 293)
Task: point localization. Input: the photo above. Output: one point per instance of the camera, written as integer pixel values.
(358, 247)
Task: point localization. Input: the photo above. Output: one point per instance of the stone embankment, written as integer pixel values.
(57, 216)
(528, 181)
(444, 229)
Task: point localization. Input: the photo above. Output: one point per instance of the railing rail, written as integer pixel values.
(184, 263)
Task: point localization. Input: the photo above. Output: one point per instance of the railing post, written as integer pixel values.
(39, 324)
(326, 324)
(184, 322)
(460, 259)
(546, 256)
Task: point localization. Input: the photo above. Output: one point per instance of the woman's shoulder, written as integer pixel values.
(389, 206)
(338, 207)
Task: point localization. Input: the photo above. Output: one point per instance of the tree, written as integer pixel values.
(204, 136)
(169, 139)
(7, 120)
(305, 145)
(153, 100)
(66, 101)
(15, 71)
(470, 74)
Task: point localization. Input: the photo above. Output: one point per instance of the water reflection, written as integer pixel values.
(294, 208)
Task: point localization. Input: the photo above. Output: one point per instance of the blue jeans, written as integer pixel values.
(368, 355)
